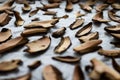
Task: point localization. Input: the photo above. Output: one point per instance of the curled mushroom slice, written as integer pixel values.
(60, 32)
(85, 30)
(101, 7)
(26, 7)
(5, 34)
(11, 44)
(51, 73)
(34, 65)
(78, 14)
(78, 73)
(99, 69)
(52, 5)
(19, 21)
(87, 46)
(69, 5)
(113, 16)
(115, 65)
(67, 59)
(39, 45)
(99, 18)
(116, 35)
(50, 13)
(77, 23)
(116, 6)
(54, 1)
(91, 36)
(32, 13)
(63, 45)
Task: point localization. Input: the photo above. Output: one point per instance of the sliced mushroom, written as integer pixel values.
(116, 6)
(99, 69)
(116, 35)
(63, 45)
(51, 73)
(69, 5)
(52, 5)
(20, 1)
(11, 44)
(115, 65)
(34, 31)
(39, 45)
(35, 19)
(91, 36)
(59, 33)
(99, 18)
(77, 23)
(50, 13)
(4, 19)
(54, 1)
(32, 13)
(78, 14)
(78, 73)
(87, 46)
(5, 34)
(110, 1)
(67, 59)
(65, 16)
(101, 7)
(26, 7)
(19, 21)
(85, 30)
(34, 65)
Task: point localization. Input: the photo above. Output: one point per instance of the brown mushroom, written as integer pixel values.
(115, 35)
(63, 45)
(26, 7)
(78, 14)
(69, 6)
(50, 13)
(64, 16)
(116, 6)
(101, 7)
(52, 5)
(115, 65)
(32, 13)
(34, 65)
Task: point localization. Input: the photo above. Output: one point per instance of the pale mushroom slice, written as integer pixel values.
(99, 18)
(4, 19)
(42, 24)
(34, 12)
(54, 1)
(69, 6)
(50, 72)
(78, 73)
(26, 7)
(77, 23)
(101, 7)
(112, 15)
(34, 31)
(52, 5)
(87, 47)
(91, 36)
(59, 32)
(67, 59)
(11, 44)
(39, 45)
(115, 35)
(63, 45)
(19, 21)
(50, 13)
(85, 30)
(99, 69)
(5, 34)
(116, 6)
(79, 14)
(34, 65)
(115, 65)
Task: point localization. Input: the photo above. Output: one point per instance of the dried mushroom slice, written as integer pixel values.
(85, 30)
(32, 13)
(65, 16)
(113, 16)
(87, 46)
(26, 7)
(5, 34)
(67, 59)
(77, 23)
(78, 73)
(99, 69)
(34, 65)
(50, 13)
(69, 6)
(115, 65)
(34, 31)
(99, 18)
(51, 73)
(78, 14)
(116, 35)
(4, 19)
(11, 44)
(101, 7)
(39, 45)
(63, 45)
(52, 5)
(116, 6)
(54, 1)
(59, 33)
(91, 36)
(19, 21)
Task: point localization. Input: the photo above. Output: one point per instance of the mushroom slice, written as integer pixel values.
(32, 13)
(63, 45)
(42, 24)
(85, 30)
(99, 18)
(87, 46)
(77, 23)
(52, 5)
(91, 36)
(19, 21)
(34, 65)
(50, 13)
(78, 73)
(65, 16)
(99, 69)
(30, 32)
(101, 7)
(35, 19)
(67, 59)
(110, 1)
(26, 7)
(113, 16)
(60, 32)
(69, 6)
(51, 73)
(116, 6)
(115, 65)
(78, 14)
(116, 35)
(11, 44)
(54, 1)
(39, 45)
(4, 19)
(109, 53)
(116, 44)
(5, 34)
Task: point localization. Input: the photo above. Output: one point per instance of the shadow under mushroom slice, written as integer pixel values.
(115, 65)
(34, 65)
(69, 6)
(101, 7)
(54, 1)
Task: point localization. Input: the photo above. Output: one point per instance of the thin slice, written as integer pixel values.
(64, 16)
(34, 65)
(101, 7)
(32, 13)
(115, 65)
(116, 6)
(52, 5)
(50, 13)
(26, 7)
(69, 5)
(115, 35)
(78, 14)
